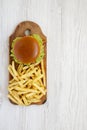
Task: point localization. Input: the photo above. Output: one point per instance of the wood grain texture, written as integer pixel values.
(47, 14)
(64, 24)
(20, 32)
(74, 65)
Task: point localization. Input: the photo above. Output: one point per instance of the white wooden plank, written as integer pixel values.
(67, 64)
(43, 12)
(74, 61)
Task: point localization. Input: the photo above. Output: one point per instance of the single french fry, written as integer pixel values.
(37, 78)
(12, 99)
(25, 100)
(26, 83)
(39, 88)
(30, 94)
(40, 82)
(20, 93)
(20, 68)
(25, 89)
(35, 100)
(25, 67)
(43, 71)
(11, 81)
(38, 96)
(12, 73)
(13, 69)
(16, 96)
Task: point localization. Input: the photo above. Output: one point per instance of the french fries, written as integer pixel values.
(28, 84)
(43, 71)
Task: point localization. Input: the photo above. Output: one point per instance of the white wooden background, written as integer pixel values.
(65, 25)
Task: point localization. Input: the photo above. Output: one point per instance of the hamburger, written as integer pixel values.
(27, 49)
